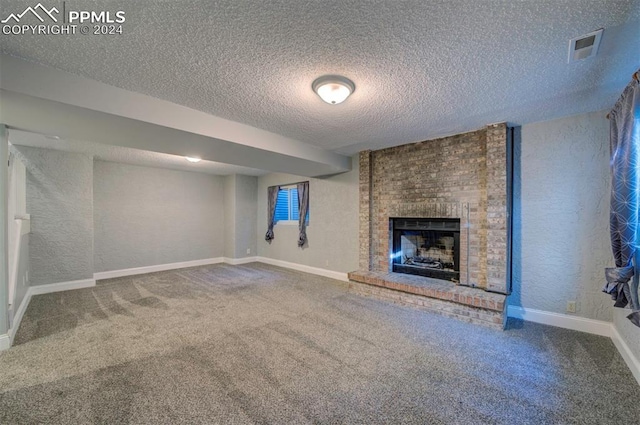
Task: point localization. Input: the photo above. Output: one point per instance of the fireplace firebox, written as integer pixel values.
(427, 247)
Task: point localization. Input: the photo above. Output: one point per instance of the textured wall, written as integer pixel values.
(461, 176)
(333, 223)
(240, 193)
(230, 216)
(148, 216)
(629, 332)
(18, 207)
(22, 273)
(60, 201)
(246, 216)
(4, 254)
(561, 216)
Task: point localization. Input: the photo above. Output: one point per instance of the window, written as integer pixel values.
(287, 206)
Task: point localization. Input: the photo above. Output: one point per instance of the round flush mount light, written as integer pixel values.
(333, 89)
(193, 159)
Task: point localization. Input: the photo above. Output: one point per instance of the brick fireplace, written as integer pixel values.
(458, 179)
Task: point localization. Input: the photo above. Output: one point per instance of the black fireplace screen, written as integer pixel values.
(427, 247)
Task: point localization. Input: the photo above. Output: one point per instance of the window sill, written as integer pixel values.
(289, 222)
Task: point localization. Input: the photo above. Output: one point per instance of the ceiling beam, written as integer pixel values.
(74, 123)
(50, 101)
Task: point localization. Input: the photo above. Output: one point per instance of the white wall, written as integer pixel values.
(230, 216)
(561, 216)
(246, 216)
(147, 216)
(240, 193)
(60, 202)
(19, 228)
(22, 275)
(333, 222)
(629, 332)
(4, 255)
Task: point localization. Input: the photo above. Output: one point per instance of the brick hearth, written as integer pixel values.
(469, 304)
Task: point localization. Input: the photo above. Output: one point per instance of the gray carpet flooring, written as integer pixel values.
(260, 344)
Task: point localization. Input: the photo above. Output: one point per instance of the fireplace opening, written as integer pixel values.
(427, 247)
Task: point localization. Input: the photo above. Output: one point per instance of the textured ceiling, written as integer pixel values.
(127, 155)
(422, 69)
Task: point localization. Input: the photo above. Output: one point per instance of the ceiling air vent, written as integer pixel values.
(585, 46)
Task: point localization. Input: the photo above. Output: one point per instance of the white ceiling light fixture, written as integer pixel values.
(333, 89)
(193, 159)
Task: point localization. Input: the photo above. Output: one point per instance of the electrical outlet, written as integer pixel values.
(248, 250)
(326, 263)
(571, 306)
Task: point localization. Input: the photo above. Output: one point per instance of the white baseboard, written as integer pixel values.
(17, 318)
(158, 268)
(629, 358)
(307, 269)
(288, 265)
(61, 286)
(233, 261)
(597, 327)
(237, 261)
(5, 342)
